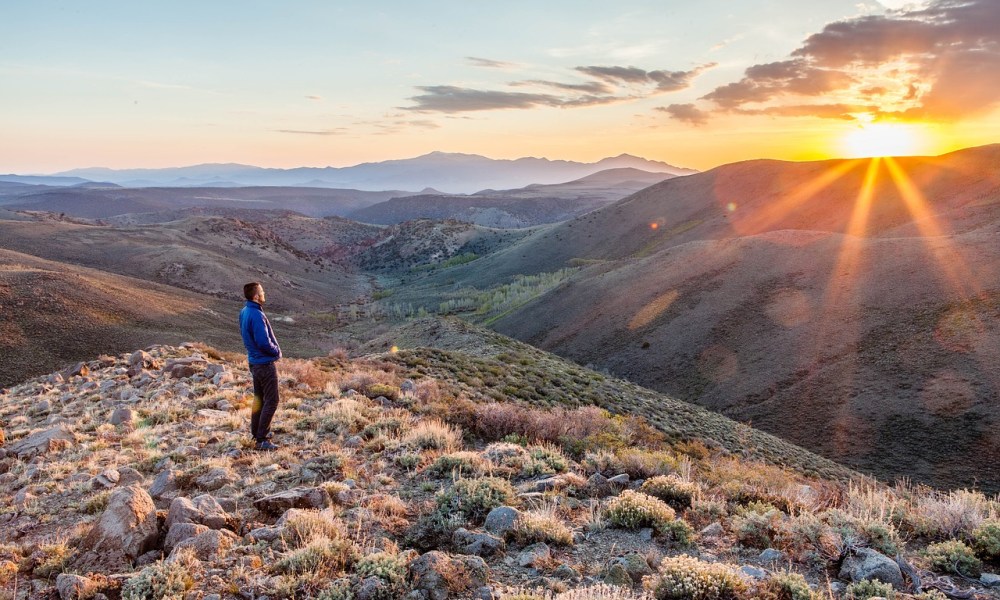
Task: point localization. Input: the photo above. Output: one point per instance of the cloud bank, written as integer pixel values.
(937, 62)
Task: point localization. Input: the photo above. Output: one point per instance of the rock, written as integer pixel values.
(22, 498)
(771, 555)
(164, 485)
(214, 479)
(713, 530)
(621, 479)
(437, 576)
(267, 534)
(213, 369)
(107, 479)
(43, 406)
(80, 369)
(837, 588)
(598, 486)
(866, 563)
(534, 555)
(754, 572)
(646, 534)
(565, 571)
(126, 529)
(407, 386)
(479, 544)
(50, 440)
(122, 416)
(633, 565)
(204, 509)
(990, 579)
(210, 545)
(129, 476)
(139, 357)
(547, 485)
(372, 588)
(299, 497)
(501, 520)
(74, 587)
(485, 593)
(181, 531)
(617, 575)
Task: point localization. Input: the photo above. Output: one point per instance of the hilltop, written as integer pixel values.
(403, 475)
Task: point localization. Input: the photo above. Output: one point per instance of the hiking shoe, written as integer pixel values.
(265, 446)
(270, 434)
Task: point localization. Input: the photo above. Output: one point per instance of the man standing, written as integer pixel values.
(262, 352)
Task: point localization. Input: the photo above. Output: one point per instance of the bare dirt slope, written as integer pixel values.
(210, 255)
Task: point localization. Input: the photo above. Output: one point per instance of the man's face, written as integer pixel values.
(259, 296)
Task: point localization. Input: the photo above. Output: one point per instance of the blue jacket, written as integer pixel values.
(262, 347)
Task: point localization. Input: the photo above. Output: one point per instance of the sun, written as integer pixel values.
(882, 139)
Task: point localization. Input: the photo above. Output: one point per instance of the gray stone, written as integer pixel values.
(486, 593)
(866, 563)
(713, 530)
(179, 532)
(74, 587)
(140, 358)
(43, 442)
(126, 529)
(299, 497)
(129, 476)
(437, 575)
(565, 571)
(598, 486)
(547, 485)
(214, 479)
(479, 544)
(754, 572)
(621, 479)
(203, 509)
(372, 588)
(108, 478)
(990, 580)
(771, 555)
(534, 555)
(407, 386)
(165, 484)
(501, 520)
(122, 416)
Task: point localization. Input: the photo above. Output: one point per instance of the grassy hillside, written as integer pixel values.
(392, 483)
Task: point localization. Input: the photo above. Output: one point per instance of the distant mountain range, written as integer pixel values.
(446, 172)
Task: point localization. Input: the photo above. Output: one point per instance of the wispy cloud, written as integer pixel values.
(936, 62)
(337, 131)
(316, 98)
(688, 113)
(605, 85)
(488, 63)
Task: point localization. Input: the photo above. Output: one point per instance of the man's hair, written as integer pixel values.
(250, 289)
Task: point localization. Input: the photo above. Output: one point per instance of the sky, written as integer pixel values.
(337, 83)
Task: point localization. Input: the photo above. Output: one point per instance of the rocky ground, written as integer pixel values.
(133, 476)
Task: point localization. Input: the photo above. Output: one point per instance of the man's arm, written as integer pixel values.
(264, 339)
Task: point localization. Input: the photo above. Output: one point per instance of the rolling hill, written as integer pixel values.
(860, 325)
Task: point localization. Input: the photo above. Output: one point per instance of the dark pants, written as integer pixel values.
(265, 399)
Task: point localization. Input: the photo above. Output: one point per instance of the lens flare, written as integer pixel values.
(882, 139)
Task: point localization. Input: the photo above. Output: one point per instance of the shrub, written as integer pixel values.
(686, 578)
(302, 527)
(544, 460)
(806, 538)
(869, 588)
(322, 557)
(757, 525)
(374, 390)
(460, 463)
(339, 589)
(433, 435)
(162, 580)
(541, 526)
(475, 498)
(390, 567)
(51, 559)
(671, 489)
(954, 557)
(986, 540)
(704, 511)
(787, 586)
(506, 455)
(305, 371)
(634, 510)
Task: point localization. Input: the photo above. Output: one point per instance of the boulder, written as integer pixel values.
(108, 478)
(209, 545)
(598, 486)
(771, 555)
(122, 416)
(299, 497)
(501, 520)
(204, 510)
(126, 529)
(479, 544)
(215, 478)
(42, 442)
(181, 531)
(141, 358)
(81, 369)
(866, 563)
(534, 555)
(438, 576)
(75, 587)
(164, 485)
(632, 564)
